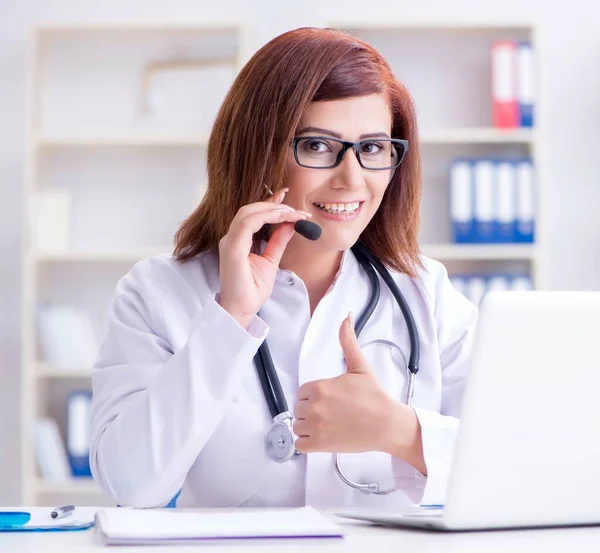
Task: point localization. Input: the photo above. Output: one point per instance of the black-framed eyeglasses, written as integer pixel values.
(324, 152)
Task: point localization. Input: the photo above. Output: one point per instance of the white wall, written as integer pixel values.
(569, 50)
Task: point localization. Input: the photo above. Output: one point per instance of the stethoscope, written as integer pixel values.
(279, 441)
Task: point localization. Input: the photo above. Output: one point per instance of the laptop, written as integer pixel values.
(527, 453)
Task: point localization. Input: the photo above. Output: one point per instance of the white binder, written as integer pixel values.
(484, 172)
(525, 84)
(477, 289)
(506, 212)
(461, 201)
(525, 228)
(79, 409)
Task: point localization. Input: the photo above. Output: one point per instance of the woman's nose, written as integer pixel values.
(350, 174)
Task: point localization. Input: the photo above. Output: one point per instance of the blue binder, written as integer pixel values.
(78, 429)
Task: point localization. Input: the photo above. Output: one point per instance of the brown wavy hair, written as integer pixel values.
(249, 142)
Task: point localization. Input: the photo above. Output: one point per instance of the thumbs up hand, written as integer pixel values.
(348, 414)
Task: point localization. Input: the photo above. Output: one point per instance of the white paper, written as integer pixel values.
(145, 525)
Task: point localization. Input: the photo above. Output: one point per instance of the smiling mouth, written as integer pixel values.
(339, 209)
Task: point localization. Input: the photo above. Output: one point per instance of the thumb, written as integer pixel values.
(356, 362)
(278, 242)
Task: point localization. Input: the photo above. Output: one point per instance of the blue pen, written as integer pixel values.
(12, 519)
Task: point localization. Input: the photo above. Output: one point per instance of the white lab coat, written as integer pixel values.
(178, 405)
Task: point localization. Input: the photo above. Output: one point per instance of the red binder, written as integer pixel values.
(505, 107)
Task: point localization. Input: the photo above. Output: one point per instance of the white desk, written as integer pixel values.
(360, 538)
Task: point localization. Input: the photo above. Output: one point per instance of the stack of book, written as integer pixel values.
(58, 462)
(475, 286)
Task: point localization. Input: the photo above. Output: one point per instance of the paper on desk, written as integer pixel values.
(118, 526)
(82, 517)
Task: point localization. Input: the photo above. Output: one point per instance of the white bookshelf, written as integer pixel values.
(446, 67)
(99, 130)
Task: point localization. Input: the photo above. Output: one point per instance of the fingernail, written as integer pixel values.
(304, 213)
(285, 208)
(351, 319)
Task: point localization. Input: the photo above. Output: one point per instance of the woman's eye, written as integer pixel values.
(371, 148)
(317, 146)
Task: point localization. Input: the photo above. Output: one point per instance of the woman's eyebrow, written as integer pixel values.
(319, 130)
(337, 135)
(374, 135)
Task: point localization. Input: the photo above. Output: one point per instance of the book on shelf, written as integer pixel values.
(79, 409)
(513, 84)
(60, 462)
(51, 454)
(67, 335)
(475, 286)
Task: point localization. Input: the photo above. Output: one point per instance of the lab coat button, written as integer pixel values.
(291, 281)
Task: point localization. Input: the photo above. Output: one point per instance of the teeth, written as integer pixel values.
(338, 208)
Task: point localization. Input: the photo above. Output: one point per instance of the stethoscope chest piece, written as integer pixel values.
(279, 441)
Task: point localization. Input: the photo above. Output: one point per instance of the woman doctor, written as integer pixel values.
(317, 118)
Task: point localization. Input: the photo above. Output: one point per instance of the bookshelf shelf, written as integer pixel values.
(132, 28)
(125, 141)
(98, 256)
(448, 252)
(478, 135)
(45, 371)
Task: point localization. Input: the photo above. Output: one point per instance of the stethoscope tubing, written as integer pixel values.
(271, 384)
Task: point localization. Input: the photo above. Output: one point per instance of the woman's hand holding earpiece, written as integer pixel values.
(246, 278)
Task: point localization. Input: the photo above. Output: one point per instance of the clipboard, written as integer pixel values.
(38, 519)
